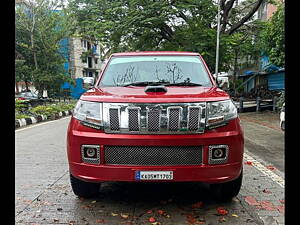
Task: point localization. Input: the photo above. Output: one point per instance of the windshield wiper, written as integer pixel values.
(184, 84)
(146, 83)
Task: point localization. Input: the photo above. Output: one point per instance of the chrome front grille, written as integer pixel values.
(164, 118)
(153, 155)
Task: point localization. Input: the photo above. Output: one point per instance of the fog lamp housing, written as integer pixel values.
(90, 154)
(218, 154)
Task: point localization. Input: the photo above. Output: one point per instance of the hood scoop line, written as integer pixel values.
(155, 89)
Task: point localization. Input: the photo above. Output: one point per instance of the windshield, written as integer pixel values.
(124, 71)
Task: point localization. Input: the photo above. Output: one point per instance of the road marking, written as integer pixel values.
(279, 180)
(42, 123)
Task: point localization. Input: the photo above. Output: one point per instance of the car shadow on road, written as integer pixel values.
(181, 192)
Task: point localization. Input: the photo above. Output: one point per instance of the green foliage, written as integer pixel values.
(20, 105)
(49, 110)
(281, 99)
(272, 38)
(140, 25)
(39, 29)
(21, 116)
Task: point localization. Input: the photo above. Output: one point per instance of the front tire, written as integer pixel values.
(84, 189)
(226, 191)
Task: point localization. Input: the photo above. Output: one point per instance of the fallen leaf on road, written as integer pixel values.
(149, 211)
(190, 219)
(197, 205)
(124, 216)
(267, 191)
(114, 214)
(222, 211)
(234, 215)
(55, 220)
(100, 221)
(152, 219)
(93, 202)
(222, 219)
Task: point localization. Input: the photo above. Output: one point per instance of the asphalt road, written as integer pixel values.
(44, 196)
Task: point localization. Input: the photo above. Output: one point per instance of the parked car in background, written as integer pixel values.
(282, 117)
(28, 95)
(30, 98)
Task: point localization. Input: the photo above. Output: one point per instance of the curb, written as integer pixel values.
(32, 120)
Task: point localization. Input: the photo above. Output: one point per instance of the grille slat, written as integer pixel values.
(153, 121)
(194, 118)
(114, 119)
(134, 119)
(174, 118)
(153, 155)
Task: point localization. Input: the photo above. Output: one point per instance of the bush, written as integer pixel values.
(49, 110)
(21, 105)
(281, 99)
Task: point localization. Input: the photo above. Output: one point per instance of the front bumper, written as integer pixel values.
(230, 135)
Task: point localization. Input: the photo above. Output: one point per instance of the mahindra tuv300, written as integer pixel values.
(155, 117)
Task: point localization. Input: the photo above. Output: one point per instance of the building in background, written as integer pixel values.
(84, 59)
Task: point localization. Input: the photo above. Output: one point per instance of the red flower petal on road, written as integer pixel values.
(271, 168)
(249, 163)
(222, 211)
(149, 211)
(152, 219)
(160, 212)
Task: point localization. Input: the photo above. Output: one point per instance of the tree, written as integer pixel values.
(40, 26)
(189, 25)
(272, 37)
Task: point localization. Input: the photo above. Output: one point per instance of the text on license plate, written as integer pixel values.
(154, 175)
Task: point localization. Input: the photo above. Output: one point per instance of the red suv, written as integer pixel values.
(155, 116)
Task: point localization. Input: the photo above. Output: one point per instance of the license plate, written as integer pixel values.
(154, 175)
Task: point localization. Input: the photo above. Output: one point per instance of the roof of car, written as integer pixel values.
(155, 53)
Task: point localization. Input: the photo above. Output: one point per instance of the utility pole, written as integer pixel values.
(218, 40)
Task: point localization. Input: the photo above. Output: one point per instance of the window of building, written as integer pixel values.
(96, 61)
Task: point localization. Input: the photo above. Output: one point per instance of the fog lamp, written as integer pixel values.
(219, 153)
(90, 154)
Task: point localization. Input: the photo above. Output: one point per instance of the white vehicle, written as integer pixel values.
(222, 80)
(282, 117)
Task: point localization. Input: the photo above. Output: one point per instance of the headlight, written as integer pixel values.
(89, 113)
(220, 112)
